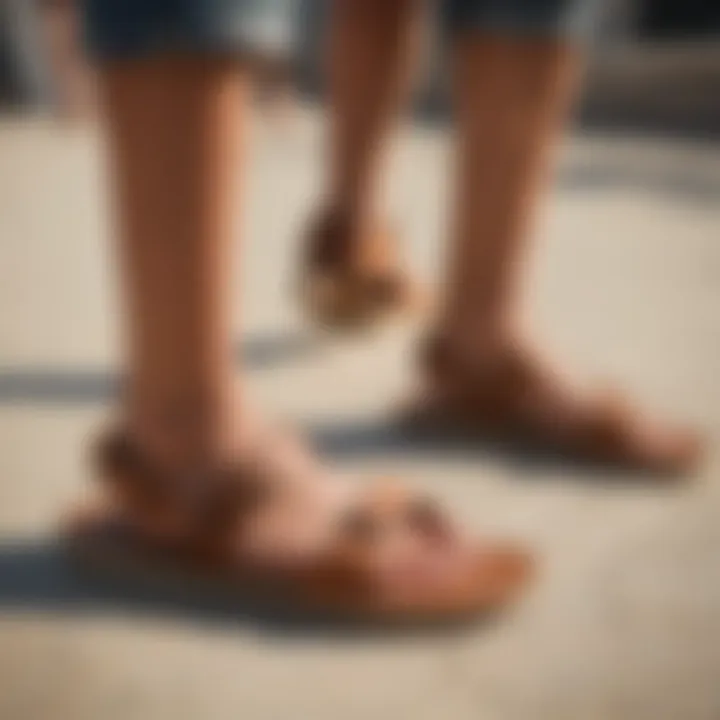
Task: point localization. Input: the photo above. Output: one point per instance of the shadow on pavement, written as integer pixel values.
(38, 576)
(352, 440)
(87, 386)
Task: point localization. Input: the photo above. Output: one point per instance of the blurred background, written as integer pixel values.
(625, 621)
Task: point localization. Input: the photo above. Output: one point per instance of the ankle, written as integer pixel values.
(476, 347)
(180, 436)
(457, 373)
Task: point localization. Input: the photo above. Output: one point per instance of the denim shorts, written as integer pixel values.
(131, 28)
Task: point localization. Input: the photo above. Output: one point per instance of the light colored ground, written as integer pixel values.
(625, 621)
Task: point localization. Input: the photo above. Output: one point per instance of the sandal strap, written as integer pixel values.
(389, 507)
(494, 392)
(329, 250)
(210, 509)
(210, 501)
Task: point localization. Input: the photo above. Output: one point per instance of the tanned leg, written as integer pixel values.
(373, 44)
(192, 477)
(512, 98)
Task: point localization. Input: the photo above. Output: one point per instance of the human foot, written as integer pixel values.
(513, 394)
(272, 523)
(350, 281)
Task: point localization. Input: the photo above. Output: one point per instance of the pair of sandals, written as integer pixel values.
(384, 554)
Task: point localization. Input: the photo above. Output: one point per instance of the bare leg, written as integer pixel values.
(512, 98)
(175, 126)
(372, 48)
(175, 130)
(192, 477)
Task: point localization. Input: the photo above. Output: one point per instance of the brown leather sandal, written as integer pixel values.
(387, 557)
(502, 403)
(342, 292)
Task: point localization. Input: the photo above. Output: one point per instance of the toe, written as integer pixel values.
(502, 572)
(671, 450)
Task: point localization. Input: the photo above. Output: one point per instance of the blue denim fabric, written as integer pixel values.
(130, 28)
(572, 19)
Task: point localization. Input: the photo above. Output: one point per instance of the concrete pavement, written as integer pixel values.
(625, 621)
